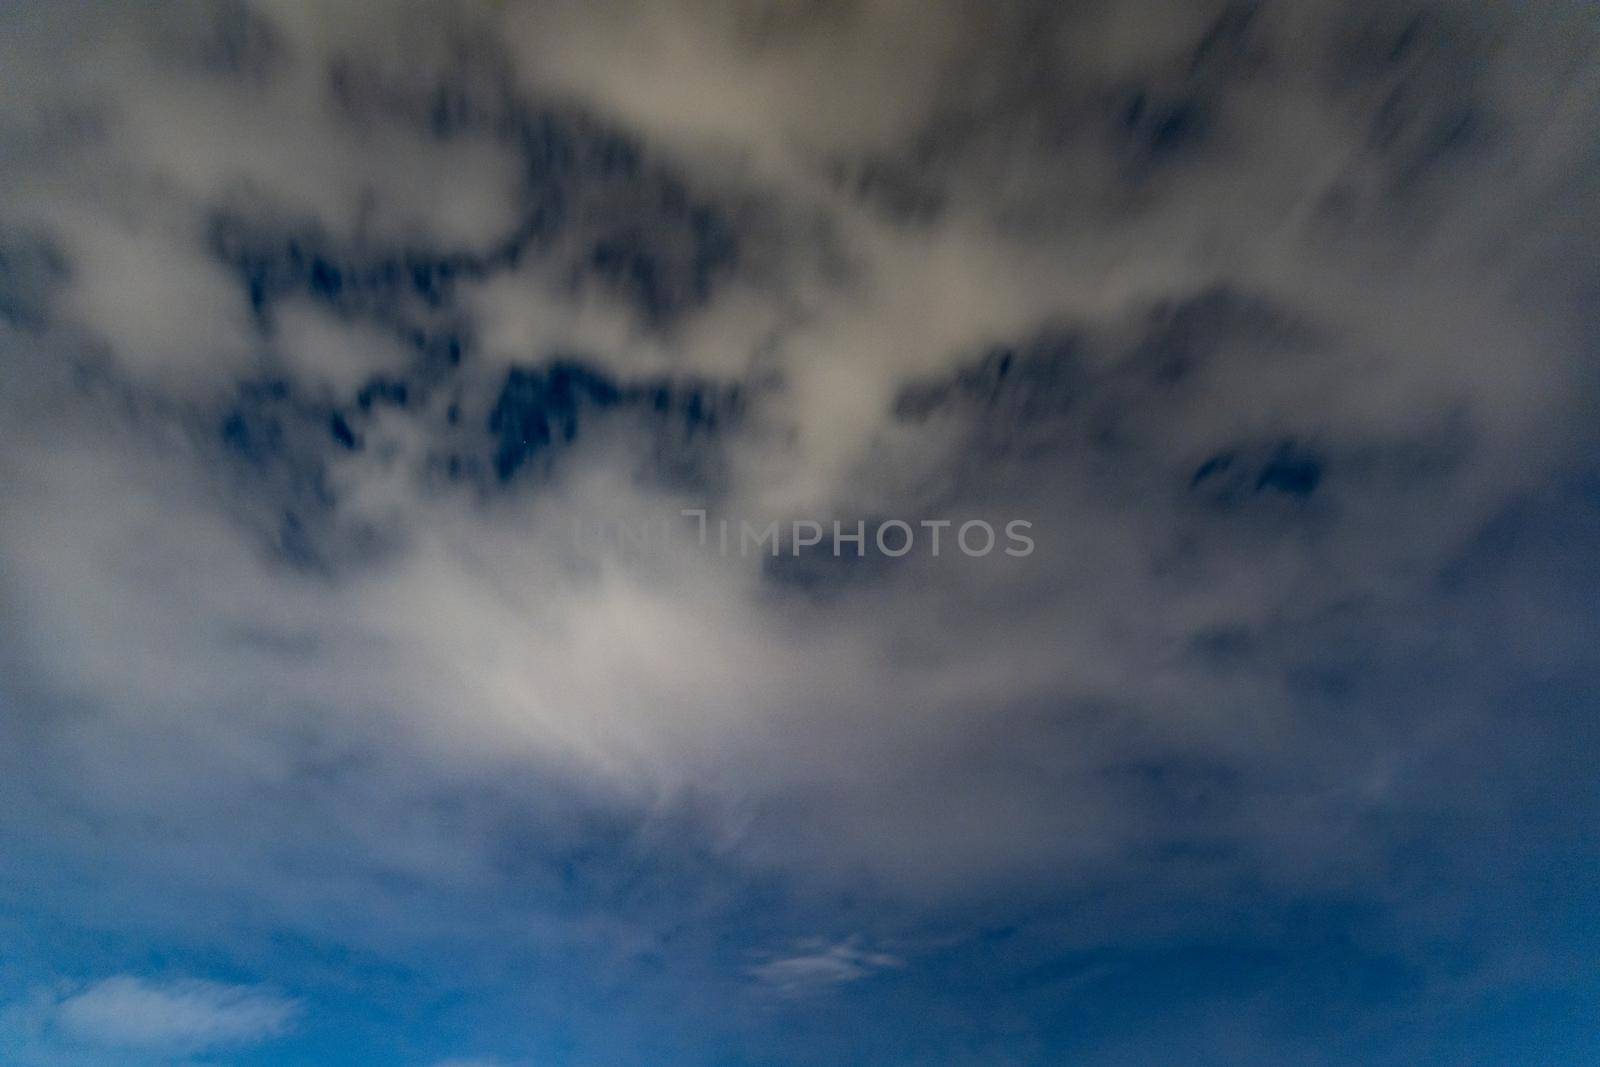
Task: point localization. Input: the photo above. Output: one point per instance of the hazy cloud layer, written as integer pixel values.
(321, 328)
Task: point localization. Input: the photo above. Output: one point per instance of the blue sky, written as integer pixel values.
(1210, 386)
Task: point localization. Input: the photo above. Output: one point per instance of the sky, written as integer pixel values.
(831, 532)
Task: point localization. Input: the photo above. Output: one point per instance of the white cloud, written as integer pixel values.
(819, 965)
(880, 735)
(185, 1016)
(336, 354)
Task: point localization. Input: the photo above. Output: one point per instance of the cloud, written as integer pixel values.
(820, 965)
(1275, 319)
(296, 370)
(191, 1015)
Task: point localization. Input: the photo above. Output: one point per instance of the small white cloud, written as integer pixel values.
(128, 1012)
(820, 965)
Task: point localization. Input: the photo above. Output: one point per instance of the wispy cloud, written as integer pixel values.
(182, 1016)
(821, 965)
